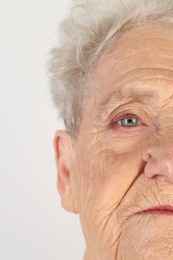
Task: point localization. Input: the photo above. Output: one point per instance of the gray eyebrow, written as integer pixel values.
(120, 93)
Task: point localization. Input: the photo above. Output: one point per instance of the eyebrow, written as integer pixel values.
(123, 94)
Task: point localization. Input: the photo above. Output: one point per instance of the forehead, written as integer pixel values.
(140, 59)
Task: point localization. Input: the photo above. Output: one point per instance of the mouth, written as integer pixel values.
(161, 210)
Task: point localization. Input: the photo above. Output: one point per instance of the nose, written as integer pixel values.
(159, 159)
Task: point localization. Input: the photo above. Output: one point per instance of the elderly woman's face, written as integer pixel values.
(122, 163)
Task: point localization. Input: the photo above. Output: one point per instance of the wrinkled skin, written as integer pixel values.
(113, 172)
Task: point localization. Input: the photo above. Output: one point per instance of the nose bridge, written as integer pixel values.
(160, 157)
(162, 147)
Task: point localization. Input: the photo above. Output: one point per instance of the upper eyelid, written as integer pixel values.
(129, 116)
(124, 111)
(125, 115)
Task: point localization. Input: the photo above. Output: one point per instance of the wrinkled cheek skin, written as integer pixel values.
(101, 188)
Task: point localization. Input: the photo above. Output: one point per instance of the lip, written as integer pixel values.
(161, 210)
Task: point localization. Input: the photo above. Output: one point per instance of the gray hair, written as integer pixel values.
(84, 35)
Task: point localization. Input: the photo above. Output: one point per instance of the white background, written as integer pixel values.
(33, 226)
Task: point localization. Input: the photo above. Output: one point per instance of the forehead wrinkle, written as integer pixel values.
(160, 52)
(152, 41)
(137, 73)
(138, 51)
(144, 72)
(144, 33)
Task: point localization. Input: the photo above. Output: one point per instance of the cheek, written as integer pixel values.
(107, 170)
(108, 176)
(104, 177)
(125, 145)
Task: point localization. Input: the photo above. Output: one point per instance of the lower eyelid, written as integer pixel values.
(119, 129)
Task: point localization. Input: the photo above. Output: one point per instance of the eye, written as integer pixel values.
(129, 122)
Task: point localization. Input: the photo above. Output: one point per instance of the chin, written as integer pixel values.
(146, 236)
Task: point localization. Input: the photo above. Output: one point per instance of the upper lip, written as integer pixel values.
(160, 207)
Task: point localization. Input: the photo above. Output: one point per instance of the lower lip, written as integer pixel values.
(158, 212)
